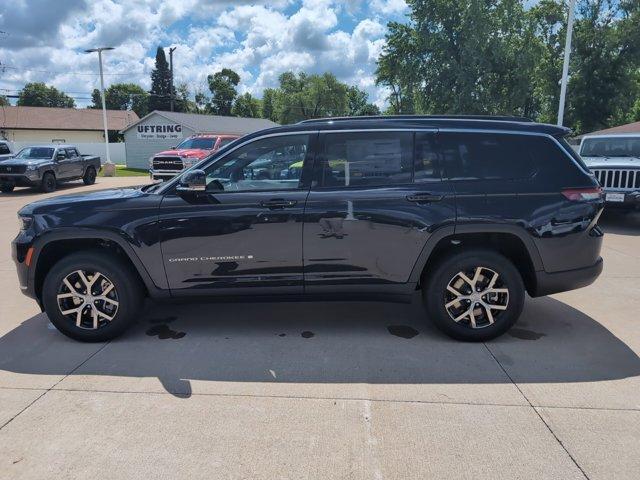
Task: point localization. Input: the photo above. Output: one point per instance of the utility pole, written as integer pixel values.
(565, 66)
(104, 105)
(171, 71)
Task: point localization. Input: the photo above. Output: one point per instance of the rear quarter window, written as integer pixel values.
(488, 156)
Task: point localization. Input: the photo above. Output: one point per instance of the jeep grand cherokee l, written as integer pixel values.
(473, 212)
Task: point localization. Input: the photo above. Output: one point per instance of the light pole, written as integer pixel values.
(565, 65)
(104, 106)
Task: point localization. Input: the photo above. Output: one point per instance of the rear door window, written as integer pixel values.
(367, 159)
(487, 156)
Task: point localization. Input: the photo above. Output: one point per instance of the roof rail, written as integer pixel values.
(502, 118)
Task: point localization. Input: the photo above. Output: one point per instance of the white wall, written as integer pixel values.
(53, 136)
(116, 150)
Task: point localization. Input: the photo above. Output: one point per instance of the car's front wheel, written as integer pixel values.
(92, 296)
(48, 183)
(7, 187)
(474, 295)
(89, 177)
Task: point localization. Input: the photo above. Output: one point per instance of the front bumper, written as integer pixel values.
(622, 199)
(550, 283)
(20, 180)
(19, 248)
(163, 174)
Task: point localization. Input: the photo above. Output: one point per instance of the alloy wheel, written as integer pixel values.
(476, 297)
(88, 298)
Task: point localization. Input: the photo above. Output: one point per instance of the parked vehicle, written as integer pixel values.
(45, 166)
(615, 161)
(5, 150)
(472, 212)
(166, 165)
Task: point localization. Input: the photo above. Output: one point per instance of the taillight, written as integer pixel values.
(582, 194)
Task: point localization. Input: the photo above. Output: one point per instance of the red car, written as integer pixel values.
(168, 164)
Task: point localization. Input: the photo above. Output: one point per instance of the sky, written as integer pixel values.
(44, 40)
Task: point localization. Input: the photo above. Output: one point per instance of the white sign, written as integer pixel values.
(159, 132)
(614, 197)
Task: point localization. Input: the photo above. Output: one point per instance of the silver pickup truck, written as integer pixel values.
(43, 166)
(5, 150)
(615, 161)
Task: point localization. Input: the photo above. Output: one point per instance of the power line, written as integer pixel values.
(67, 72)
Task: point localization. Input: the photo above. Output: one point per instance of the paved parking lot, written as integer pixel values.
(335, 390)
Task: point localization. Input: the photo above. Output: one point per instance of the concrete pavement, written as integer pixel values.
(326, 390)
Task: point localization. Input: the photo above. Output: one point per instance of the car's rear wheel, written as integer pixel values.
(92, 296)
(475, 295)
(48, 183)
(89, 177)
(7, 187)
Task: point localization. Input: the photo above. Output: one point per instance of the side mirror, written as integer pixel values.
(193, 181)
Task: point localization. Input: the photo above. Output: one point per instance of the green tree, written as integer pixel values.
(223, 85)
(605, 64)
(4, 101)
(303, 96)
(40, 95)
(268, 104)
(358, 103)
(247, 106)
(160, 94)
(123, 96)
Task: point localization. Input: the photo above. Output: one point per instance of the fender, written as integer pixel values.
(155, 290)
(447, 231)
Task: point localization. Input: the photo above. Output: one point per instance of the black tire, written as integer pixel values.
(48, 183)
(7, 187)
(127, 291)
(436, 295)
(89, 177)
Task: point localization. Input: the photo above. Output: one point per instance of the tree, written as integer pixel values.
(605, 65)
(223, 85)
(123, 96)
(40, 95)
(160, 94)
(305, 96)
(247, 106)
(358, 103)
(268, 104)
(4, 101)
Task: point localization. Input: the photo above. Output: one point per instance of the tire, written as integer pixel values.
(7, 187)
(117, 311)
(456, 316)
(48, 183)
(89, 177)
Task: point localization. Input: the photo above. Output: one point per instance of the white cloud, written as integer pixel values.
(258, 39)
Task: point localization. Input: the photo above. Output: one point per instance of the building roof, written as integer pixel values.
(628, 128)
(212, 123)
(43, 118)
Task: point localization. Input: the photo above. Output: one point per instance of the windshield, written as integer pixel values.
(35, 152)
(611, 147)
(198, 143)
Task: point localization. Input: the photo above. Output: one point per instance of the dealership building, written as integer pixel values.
(160, 131)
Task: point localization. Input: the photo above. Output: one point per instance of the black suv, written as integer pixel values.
(471, 211)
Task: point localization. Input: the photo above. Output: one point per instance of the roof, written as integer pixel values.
(212, 123)
(43, 118)
(627, 128)
(516, 124)
(421, 117)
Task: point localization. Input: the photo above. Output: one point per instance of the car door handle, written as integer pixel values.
(424, 198)
(278, 203)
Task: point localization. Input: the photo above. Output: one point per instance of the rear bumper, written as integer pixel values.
(550, 283)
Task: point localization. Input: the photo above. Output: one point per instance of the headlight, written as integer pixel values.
(25, 222)
(151, 162)
(30, 168)
(189, 162)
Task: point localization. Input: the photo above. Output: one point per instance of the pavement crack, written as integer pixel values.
(54, 385)
(537, 413)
